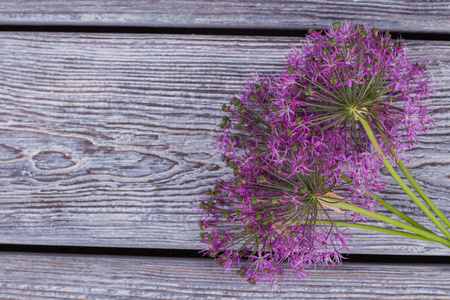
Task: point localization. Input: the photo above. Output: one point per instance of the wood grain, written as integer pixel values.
(29, 276)
(105, 140)
(416, 16)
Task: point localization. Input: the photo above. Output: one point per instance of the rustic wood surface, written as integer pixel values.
(30, 276)
(106, 139)
(415, 16)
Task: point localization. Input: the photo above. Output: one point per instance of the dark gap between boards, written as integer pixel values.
(188, 253)
(427, 36)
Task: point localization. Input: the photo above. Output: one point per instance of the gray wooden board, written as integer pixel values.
(419, 16)
(106, 139)
(31, 276)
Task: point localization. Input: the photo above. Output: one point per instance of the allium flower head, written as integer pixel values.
(259, 220)
(350, 71)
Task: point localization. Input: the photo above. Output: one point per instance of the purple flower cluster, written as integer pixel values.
(352, 71)
(293, 141)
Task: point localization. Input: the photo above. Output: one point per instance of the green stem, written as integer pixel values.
(422, 194)
(393, 209)
(398, 212)
(400, 182)
(388, 220)
(380, 229)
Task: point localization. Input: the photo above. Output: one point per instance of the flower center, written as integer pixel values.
(354, 111)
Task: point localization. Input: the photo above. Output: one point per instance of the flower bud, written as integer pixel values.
(294, 146)
(239, 181)
(255, 151)
(234, 101)
(375, 31)
(332, 41)
(290, 69)
(235, 170)
(288, 132)
(225, 121)
(200, 224)
(278, 170)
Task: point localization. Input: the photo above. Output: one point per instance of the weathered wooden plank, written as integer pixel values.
(26, 276)
(419, 16)
(106, 139)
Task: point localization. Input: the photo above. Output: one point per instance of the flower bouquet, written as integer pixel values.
(308, 144)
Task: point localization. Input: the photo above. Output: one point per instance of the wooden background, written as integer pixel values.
(105, 141)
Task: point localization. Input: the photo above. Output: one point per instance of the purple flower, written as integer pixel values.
(349, 71)
(293, 141)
